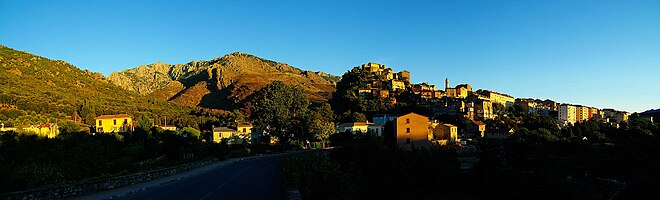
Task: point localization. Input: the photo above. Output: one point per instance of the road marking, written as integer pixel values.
(232, 178)
(222, 185)
(207, 195)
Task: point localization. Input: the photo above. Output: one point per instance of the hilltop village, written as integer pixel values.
(452, 104)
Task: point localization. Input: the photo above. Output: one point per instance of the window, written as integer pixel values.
(407, 140)
(407, 120)
(114, 121)
(125, 121)
(407, 130)
(244, 130)
(100, 122)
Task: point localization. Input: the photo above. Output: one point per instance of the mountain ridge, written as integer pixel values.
(220, 83)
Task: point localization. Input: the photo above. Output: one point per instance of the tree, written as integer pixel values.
(190, 132)
(69, 127)
(350, 116)
(277, 106)
(322, 130)
(144, 123)
(88, 111)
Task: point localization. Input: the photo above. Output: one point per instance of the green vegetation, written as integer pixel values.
(346, 101)
(38, 90)
(29, 161)
(283, 111)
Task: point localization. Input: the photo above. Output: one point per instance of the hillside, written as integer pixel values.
(224, 83)
(56, 89)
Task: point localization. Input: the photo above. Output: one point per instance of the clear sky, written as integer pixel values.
(596, 53)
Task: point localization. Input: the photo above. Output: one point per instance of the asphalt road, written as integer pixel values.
(249, 179)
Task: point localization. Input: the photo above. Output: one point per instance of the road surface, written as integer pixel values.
(248, 179)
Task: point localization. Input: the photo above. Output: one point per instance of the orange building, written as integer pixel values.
(412, 130)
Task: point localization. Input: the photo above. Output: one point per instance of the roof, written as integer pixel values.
(385, 115)
(413, 113)
(480, 123)
(244, 124)
(46, 125)
(449, 125)
(113, 116)
(497, 93)
(223, 129)
(358, 124)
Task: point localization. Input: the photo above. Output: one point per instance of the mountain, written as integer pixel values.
(652, 111)
(56, 88)
(224, 83)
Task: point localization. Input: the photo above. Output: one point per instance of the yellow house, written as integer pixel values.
(362, 127)
(114, 123)
(244, 129)
(220, 133)
(48, 130)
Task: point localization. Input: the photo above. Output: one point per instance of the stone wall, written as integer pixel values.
(78, 189)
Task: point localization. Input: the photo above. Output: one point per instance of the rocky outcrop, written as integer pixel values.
(222, 83)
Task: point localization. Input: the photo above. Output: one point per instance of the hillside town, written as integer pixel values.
(383, 83)
(458, 101)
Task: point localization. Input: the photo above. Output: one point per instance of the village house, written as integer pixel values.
(476, 128)
(244, 130)
(460, 91)
(527, 105)
(46, 130)
(446, 133)
(403, 76)
(410, 131)
(364, 92)
(581, 113)
(167, 128)
(220, 133)
(114, 123)
(498, 98)
(382, 119)
(395, 85)
(362, 127)
(483, 109)
(567, 114)
(2, 128)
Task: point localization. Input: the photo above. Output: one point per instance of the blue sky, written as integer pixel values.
(597, 53)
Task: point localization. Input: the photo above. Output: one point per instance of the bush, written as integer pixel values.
(315, 175)
(316, 145)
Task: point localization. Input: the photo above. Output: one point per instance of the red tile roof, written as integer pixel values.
(46, 125)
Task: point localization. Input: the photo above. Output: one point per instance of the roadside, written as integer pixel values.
(127, 190)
